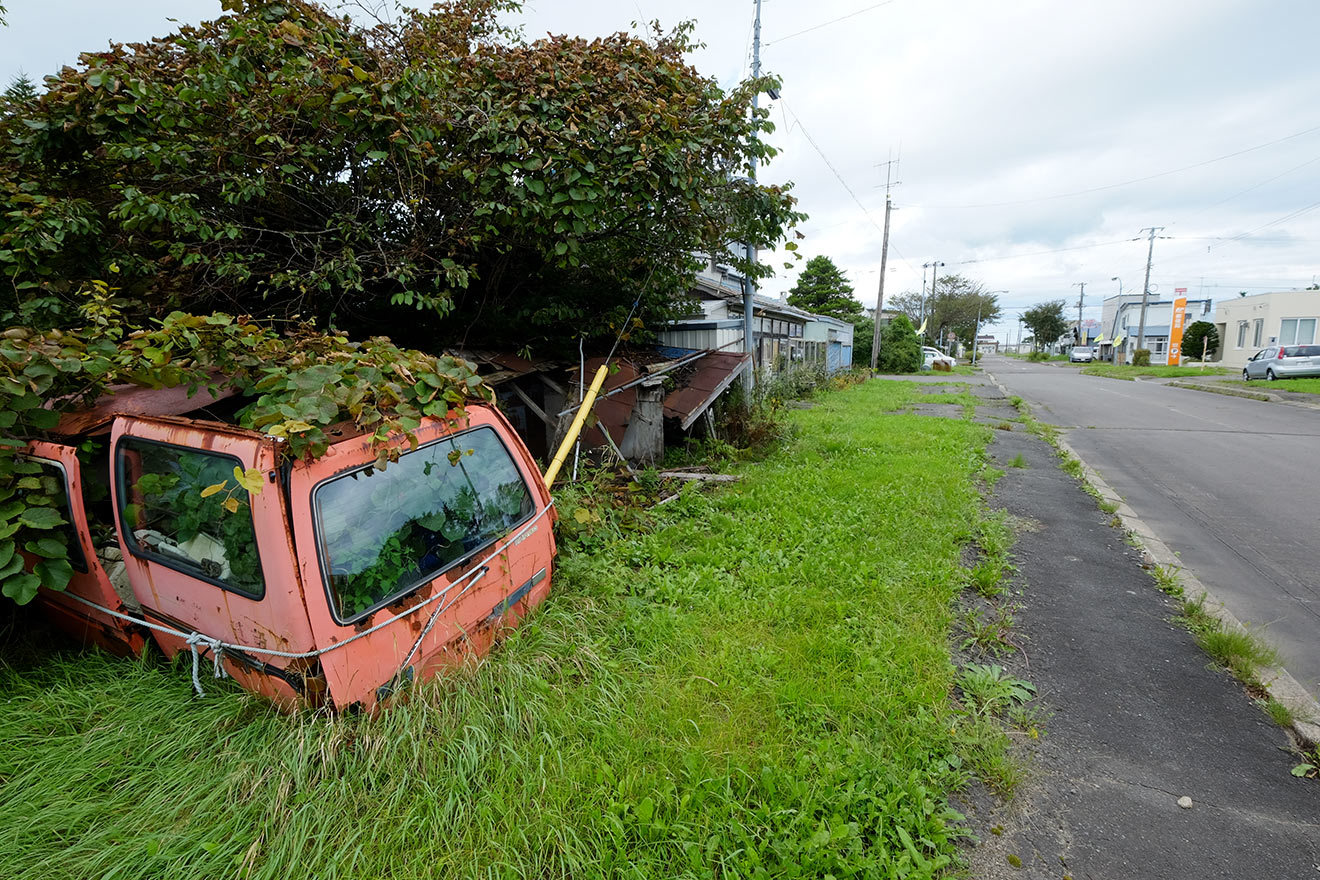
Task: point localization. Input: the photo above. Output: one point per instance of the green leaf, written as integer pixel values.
(47, 547)
(41, 518)
(21, 588)
(54, 573)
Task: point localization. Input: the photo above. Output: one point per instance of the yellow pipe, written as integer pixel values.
(576, 428)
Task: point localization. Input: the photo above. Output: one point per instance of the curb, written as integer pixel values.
(1280, 683)
(1227, 391)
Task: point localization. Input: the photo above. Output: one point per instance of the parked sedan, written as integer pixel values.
(1283, 362)
(932, 356)
(1081, 354)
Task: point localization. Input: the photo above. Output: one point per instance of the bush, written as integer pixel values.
(900, 349)
(1038, 356)
(1201, 338)
(1141, 357)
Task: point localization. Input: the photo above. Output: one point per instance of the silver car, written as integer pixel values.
(1081, 354)
(1283, 362)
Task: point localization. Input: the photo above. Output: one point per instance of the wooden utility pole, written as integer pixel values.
(749, 284)
(1145, 288)
(884, 257)
(1081, 298)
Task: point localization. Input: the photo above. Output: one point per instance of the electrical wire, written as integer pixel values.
(1095, 189)
(817, 27)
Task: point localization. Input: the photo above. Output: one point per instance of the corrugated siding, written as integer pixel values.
(834, 357)
(704, 339)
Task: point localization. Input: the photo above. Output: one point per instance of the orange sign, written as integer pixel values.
(1176, 326)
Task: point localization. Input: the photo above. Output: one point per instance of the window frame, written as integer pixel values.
(1258, 331)
(319, 539)
(1242, 334)
(141, 551)
(77, 557)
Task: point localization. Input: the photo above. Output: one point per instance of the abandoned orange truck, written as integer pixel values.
(327, 582)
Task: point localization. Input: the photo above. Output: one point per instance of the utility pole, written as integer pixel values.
(1081, 298)
(749, 284)
(884, 257)
(1145, 288)
(934, 275)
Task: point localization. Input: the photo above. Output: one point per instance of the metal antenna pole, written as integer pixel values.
(884, 257)
(1145, 288)
(749, 283)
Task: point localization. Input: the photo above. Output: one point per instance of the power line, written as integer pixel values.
(1082, 192)
(817, 27)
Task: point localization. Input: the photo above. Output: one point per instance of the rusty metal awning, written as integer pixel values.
(710, 376)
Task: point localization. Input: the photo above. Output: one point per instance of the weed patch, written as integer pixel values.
(748, 682)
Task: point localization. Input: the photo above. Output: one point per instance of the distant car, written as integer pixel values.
(1283, 362)
(1081, 354)
(932, 356)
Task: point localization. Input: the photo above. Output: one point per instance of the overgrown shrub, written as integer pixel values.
(1038, 356)
(900, 349)
(1141, 357)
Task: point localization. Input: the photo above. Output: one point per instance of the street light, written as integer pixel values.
(1120, 284)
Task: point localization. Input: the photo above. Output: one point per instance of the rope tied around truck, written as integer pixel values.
(198, 641)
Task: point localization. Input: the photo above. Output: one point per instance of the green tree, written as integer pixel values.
(900, 349)
(955, 306)
(863, 336)
(1200, 336)
(436, 177)
(823, 290)
(909, 303)
(1046, 322)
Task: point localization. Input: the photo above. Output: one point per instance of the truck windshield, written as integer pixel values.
(383, 532)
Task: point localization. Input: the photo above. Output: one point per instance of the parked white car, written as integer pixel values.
(932, 356)
(1081, 354)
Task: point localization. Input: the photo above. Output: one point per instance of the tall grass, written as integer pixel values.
(756, 687)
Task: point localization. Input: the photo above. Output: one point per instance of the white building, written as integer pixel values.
(1121, 319)
(1247, 324)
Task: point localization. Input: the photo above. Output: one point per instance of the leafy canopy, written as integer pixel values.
(1046, 322)
(435, 176)
(822, 289)
(298, 385)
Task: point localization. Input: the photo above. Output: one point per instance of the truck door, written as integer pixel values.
(205, 536)
(98, 572)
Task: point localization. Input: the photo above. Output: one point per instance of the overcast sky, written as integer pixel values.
(1036, 138)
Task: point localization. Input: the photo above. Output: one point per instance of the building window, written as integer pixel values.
(1297, 331)
(1242, 334)
(1258, 332)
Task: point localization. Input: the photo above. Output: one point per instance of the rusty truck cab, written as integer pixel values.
(325, 582)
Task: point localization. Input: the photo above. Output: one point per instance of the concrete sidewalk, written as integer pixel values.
(1137, 718)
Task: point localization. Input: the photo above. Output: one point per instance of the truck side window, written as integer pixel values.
(172, 513)
(385, 532)
(55, 483)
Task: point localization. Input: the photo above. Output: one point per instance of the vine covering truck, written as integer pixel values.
(327, 582)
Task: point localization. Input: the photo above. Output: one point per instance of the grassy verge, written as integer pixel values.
(1127, 371)
(754, 683)
(1304, 386)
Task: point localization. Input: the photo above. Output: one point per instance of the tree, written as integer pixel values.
(908, 303)
(863, 336)
(1046, 322)
(1200, 337)
(900, 349)
(436, 177)
(956, 305)
(823, 290)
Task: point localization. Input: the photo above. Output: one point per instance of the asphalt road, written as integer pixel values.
(1230, 484)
